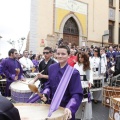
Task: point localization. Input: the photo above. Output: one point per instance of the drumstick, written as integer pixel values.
(36, 77)
(34, 89)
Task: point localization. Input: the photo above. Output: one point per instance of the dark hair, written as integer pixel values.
(33, 57)
(11, 51)
(98, 50)
(48, 48)
(25, 51)
(65, 47)
(86, 63)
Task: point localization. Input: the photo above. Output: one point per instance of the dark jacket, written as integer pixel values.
(7, 110)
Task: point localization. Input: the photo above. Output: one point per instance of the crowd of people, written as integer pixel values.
(86, 62)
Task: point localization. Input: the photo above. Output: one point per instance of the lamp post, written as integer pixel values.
(105, 35)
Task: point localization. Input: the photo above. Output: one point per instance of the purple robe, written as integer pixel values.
(73, 94)
(9, 66)
(36, 63)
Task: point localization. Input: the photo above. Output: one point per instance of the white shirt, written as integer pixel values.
(26, 62)
(82, 72)
(95, 62)
(103, 63)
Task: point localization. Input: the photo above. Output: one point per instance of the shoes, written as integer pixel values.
(95, 101)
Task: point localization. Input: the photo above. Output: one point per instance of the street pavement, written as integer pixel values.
(100, 112)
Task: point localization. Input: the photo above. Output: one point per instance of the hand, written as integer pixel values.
(16, 78)
(68, 112)
(39, 75)
(89, 85)
(44, 99)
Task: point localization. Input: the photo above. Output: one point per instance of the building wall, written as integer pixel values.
(116, 27)
(43, 18)
(97, 20)
(41, 23)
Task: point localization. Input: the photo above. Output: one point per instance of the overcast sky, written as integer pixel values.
(14, 23)
(14, 18)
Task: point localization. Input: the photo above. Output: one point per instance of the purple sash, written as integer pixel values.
(60, 90)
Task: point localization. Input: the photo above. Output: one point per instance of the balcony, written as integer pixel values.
(112, 14)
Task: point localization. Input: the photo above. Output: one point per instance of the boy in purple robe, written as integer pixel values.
(12, 69)
(73, 95)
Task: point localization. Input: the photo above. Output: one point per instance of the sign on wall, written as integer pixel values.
(72, 5)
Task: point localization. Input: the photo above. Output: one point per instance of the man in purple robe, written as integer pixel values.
(12, 69)
(73, 95)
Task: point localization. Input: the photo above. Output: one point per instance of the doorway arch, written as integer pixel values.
(71, 32)
(76, 21)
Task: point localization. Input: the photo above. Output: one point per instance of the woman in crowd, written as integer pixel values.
(96, 68)
(83, 66)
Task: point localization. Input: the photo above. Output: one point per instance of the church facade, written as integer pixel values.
(80, 22)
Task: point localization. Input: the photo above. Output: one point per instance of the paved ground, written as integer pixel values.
(100, 112)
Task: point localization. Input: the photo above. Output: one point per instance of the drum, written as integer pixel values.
(38, 112)
(20, 92)
(114, 112)
(97, 81)
(108, 92)
(2, 86)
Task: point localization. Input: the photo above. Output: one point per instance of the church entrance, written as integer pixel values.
(71, 32)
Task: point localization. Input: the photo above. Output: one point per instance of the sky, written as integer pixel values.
(14, 20)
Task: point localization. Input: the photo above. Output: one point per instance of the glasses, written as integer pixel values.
(46, 52)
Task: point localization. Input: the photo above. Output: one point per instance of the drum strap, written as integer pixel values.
(61, 89)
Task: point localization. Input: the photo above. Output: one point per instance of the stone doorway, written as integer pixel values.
(71, 32)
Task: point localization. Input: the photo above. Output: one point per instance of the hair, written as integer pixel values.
(65, 47)
(98, 49)
(33, 57)
(48, 48)
(11, 51)
(86, 62)
(25, 51)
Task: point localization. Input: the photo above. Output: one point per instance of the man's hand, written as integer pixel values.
(16, 78)
(39, 75)
(44, 99)
(68, 112)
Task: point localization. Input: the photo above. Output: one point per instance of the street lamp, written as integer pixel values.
(106, 35)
